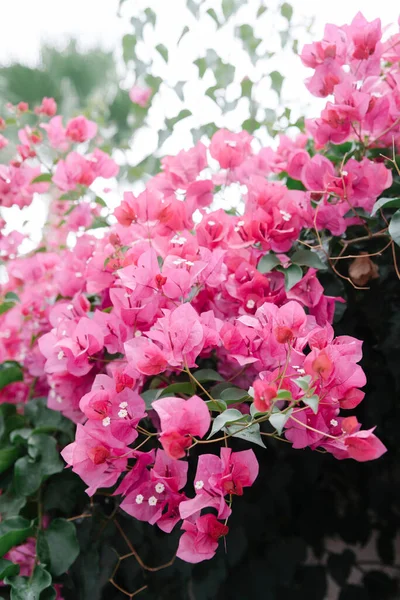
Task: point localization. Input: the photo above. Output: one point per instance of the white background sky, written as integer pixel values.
(26, 23)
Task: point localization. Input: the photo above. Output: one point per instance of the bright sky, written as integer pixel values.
(27, 24)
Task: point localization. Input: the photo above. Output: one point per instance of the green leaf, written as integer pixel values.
(249, 434)
(307, 258)
(63, 545)
(151, 16)
(228, 416)
(276, 82)
(29, 588)
(8, 456)
(46, 420)
(183, 114)
(12, 296)
(293, 274)
(303, 382)
(44, 448)
(261, 11)
(213, 15)
(11, 503)
(251, 125)
(216, 405)
(9, 420)
(267, 263)
(7, 569)
(279, 419)
(231, 395)
(186, 388)
(394, 227)
(247, 87)
(193, 7)
(13, 532)
(312, 402)
(44, 177)
(10, 372)
(185, 30)
(129, 47)
(204, 375)
(163, 50)
(284, 395)
(149, 396)
(6, 306)
(179, 89)
(250, 42)
(100, 201)
(201, 64)
(27, 476)
(385, 203)
(98, 222)
(287, 11)
(229, 7)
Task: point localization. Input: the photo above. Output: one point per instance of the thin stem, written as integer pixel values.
(193, 378)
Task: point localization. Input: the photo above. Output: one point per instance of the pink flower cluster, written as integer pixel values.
(102, 324)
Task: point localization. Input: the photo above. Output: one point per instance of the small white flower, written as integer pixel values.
(60, 355)
(180, 194)
(59, 400)
(78, 275)
(106, 421)
(240, 223)
(189, 263)
(126, 295)
(300, 371)
(152, 501)
(122, 413)
(139, 499)
(334, 423)
(138, 333)
(231, 143)
(178, 239)
(211, 223)
(199, 484)
(178, 261)
(123, 405)
(285, 215)
(70, 306)
(160, 487)
(250, 304)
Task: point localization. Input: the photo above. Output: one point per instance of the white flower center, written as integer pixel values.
(106, 421)
(123, 405)
(334, 423)
(285, 215)
(139, 499)
(250, 304)
(152, 501)
(122, 413)
(199, 484)
(178, 239)
(60, 355)
(160, 487)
